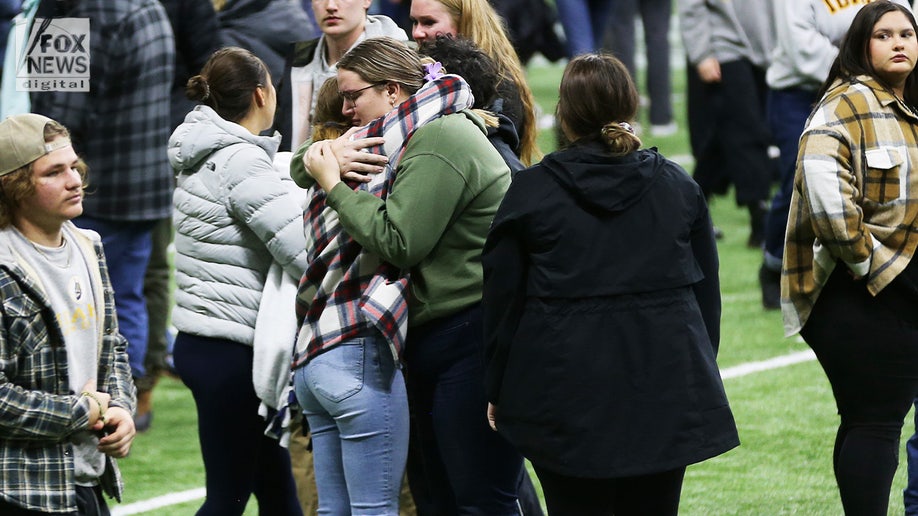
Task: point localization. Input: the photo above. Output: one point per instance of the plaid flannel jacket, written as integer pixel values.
(121, 126)
(344, 289)
(855, 197)
(38, 411)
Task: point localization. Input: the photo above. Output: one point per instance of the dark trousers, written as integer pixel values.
(620, 37)
(239, 460)
(728, 132)
(870, 356)
(656, 494)
(788, 110)
(90, 502)
(460, 465)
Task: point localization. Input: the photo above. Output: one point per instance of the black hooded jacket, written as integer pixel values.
(602, 313)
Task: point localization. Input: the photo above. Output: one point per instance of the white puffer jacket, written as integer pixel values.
(234, 215)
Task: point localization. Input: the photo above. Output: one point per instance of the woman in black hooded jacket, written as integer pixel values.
(602, 312)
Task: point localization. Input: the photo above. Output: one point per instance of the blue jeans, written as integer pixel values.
(787, 112)
(458, 464)
(353, 397)
(584, 23)
(127, 251)
(910, 494)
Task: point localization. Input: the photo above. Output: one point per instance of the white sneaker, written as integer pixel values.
(664, 129)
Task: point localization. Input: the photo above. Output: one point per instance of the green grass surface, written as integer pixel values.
(786, 416)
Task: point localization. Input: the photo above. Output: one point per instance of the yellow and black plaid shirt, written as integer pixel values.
(855, 195)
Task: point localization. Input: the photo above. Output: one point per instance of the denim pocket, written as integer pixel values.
(338, 373)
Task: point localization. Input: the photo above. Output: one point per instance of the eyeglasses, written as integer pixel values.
(352, 95)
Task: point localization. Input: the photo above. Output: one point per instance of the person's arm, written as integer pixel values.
(505, 265)
(707, 291)
(809, 51)
(695, 27)
(829, 188)
(353, 162)
(118, 384)
(35, 415)
(260, 199)
(405, 227)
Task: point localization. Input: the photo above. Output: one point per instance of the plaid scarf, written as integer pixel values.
(345, 290)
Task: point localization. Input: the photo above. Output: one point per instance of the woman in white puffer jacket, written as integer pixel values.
(234, 216)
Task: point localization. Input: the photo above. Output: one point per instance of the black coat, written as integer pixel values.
(602, 313)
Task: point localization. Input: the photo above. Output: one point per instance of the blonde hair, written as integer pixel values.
(479, 22)
(20, 183)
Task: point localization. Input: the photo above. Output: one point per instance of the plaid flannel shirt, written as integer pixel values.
(855, 195)
(121, 125)
(38, 410)
(344, 289)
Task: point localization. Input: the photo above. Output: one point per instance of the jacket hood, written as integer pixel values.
(600, 181)
(203, 132)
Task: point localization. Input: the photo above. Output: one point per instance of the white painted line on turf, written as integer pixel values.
(765, 365)
(196, 494)
(159, 502)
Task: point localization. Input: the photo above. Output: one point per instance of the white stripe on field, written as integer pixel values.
(765, 365)
(159, 502)
(195, 494)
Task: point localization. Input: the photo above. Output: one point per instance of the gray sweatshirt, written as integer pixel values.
(808, 34)
(728, 30)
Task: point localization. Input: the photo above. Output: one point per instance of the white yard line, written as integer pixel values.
(159, 502)
(194, 494)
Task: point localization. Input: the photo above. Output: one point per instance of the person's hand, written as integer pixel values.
(709, 70)
(492, 416)
(98, 404)
(322, 165)
(120, 425)
(354, 163)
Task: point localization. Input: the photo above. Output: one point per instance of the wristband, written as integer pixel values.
(98, 402)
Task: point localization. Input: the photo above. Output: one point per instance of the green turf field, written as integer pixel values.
(786, 416)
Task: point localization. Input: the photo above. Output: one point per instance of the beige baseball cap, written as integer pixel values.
(22, 141)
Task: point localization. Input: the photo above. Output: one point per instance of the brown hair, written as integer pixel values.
(227, 81)
(596, 96)
(20, 183)
(329, 122)
(384, 60)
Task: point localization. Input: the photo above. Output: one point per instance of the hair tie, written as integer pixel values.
(433, 71)
(626, 126)
(206, 89)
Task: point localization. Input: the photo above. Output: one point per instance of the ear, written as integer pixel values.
(258, 97)
(393, 89)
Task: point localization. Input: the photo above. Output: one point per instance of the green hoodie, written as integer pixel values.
(448, 186)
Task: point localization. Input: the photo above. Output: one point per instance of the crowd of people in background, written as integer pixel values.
(387, 297)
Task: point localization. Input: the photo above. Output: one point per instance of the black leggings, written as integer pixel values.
(656, 494)
(870, 356)
(239, 460)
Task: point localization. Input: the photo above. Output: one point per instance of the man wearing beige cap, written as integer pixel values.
(66, 395)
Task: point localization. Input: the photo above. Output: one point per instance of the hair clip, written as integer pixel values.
(433, 71)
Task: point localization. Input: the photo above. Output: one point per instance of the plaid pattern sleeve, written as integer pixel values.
(121, 126)
(855, 195)
(345, 289)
